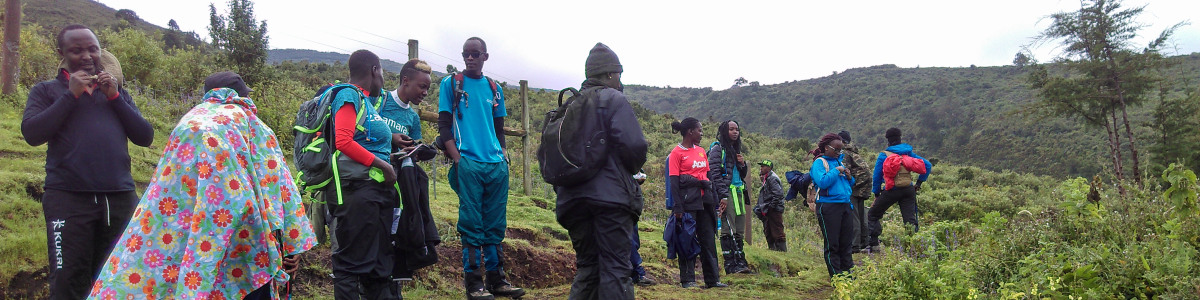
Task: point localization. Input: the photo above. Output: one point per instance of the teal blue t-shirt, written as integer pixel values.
(475, 131)
(376, 137)
(737, 177)
(400, 116)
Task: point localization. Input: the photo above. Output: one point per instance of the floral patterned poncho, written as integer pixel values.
(204, 227)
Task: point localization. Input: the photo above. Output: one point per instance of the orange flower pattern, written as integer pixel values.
(207, 224)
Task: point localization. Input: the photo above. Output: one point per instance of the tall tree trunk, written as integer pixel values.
(12, 46)
(1137, 175)
(1116, 80)
(1114, 146)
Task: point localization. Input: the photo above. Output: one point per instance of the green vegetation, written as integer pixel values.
(1106, 74)
(985, 234)
(970, 116)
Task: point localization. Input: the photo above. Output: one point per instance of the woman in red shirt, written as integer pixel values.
(688, 172)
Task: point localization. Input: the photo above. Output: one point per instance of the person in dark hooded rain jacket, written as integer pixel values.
(903, 192)
(600, 214)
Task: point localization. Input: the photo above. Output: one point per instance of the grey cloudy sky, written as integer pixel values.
(676, 43)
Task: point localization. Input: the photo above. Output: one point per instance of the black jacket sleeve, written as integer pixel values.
(45, 114)
(136, 127)
(499, 124)
(675, 191)
(624, 132)
(445, 125)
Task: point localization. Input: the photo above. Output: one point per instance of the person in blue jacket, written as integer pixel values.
(900, 192)
(834, 212)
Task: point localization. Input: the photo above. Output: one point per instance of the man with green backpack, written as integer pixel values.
(351, 140)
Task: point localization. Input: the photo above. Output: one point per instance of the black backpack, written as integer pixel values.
(574, 145)
(313, 150)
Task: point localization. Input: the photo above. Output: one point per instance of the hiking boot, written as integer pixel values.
(742, 266)
(480, 294)
(644, 281)
(688, 285)
(874, 249)
(499, 286)
(473, 282)
(718, 284)
(731, 263)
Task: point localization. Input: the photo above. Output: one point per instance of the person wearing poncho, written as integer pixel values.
(219, 216)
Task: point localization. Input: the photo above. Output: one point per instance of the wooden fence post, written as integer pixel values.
(12, 46)
(527, 179)
(412, 49)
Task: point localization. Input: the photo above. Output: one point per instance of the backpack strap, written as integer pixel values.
(497, 92)
(888, 153)
(360, 120)
(724, 170)
(456, 83)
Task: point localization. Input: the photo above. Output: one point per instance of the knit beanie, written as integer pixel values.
(893, 136)
(602, 60)
(845, 136)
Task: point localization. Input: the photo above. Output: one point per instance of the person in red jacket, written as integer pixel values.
(693, 193)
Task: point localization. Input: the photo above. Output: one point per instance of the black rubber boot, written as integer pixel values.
(743, 266)
(473, 282)
(728, 248)
(499, 286)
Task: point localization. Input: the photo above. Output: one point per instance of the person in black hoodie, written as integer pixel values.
(727, 170)
(87, 119)
(600, 214)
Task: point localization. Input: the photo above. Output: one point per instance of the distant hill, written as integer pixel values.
(55, 14)
(276, 56)
(969, 116)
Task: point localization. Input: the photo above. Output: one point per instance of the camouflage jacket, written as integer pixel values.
(860, 171)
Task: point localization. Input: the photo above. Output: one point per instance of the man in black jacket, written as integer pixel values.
(87, 119)
(770, 206)
(601, 213)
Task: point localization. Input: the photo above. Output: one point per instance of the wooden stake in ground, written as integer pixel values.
(12, 46)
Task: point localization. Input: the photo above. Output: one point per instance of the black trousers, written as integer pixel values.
(862, 231)
(81, 230)
(906, 197)
(837, 228)
(706, 227)
(363, 260)
(600, 236)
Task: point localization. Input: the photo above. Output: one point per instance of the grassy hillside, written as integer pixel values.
(972, 116)
(59, 13)
(1003, 234)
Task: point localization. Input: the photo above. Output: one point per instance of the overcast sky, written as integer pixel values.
(675, 43)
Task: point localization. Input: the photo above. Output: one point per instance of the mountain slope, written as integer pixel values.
(276, 56)
(58, 13)
(971, 116)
